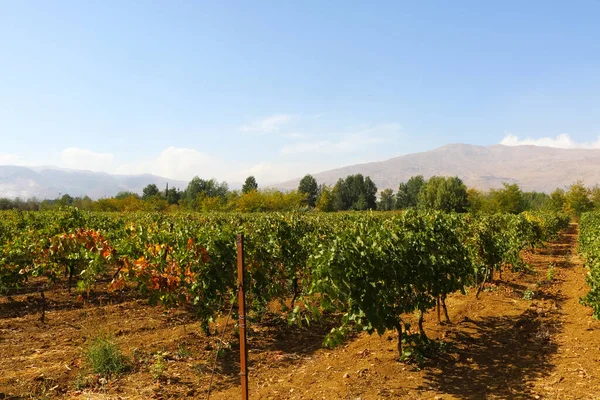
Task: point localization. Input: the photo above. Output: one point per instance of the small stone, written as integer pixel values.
(346, 375)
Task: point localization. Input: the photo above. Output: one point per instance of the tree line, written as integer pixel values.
(355, 192)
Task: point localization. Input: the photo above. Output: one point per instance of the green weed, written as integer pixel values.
(105, 358)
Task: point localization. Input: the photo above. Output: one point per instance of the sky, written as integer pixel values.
(224, 89)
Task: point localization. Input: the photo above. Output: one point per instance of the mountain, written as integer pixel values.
(49, 182)
(483, 167)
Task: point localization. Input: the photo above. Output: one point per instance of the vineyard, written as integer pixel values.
(319, 263)
(348, 273)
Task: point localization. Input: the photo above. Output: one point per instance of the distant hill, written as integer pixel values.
(49, 182)
(483, 167)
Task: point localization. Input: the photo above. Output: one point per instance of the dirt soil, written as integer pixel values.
(527, 337)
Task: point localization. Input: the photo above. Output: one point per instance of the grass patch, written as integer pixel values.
(104, 357)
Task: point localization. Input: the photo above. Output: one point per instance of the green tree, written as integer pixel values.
(577, 199)
(325, 201)
(126, 194)
(150, 191)
(341, 196)
(66, 200)
(534, 201)
(194, 187)
(595, 196)
(203, 188)
(249, 185)
(509, 199)
(370, 193)
(557, 201)
(445, 194)
(408, 192)
(476, 200)
(360, 204)
(308, 185)
(386, 200)
(355, 193)
(173, 195)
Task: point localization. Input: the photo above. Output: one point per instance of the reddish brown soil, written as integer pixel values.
(500, 346)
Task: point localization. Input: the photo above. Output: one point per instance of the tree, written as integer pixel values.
(408, 193)
(595, 196)
(341, 197)
(370, 193)
(270, 200)
(126, 194)
(6, 204)
(194, 187)
(386, 200)
(250, 184)
(509, 199)
(445, 194)
(534, 201)
(557, 201)
(476, 200)
(355, 193)
(203, 188)
(173, 195)
(325, 201)
(66, 200)
(150, 191)
(577, 199)
(308, 185)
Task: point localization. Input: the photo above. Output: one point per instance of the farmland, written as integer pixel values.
(162, 287)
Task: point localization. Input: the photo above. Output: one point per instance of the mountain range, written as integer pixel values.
(532, 167)
(484, 167)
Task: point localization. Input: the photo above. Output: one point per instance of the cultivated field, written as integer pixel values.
(525, 336)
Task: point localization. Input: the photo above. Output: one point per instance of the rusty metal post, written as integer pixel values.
(242, 317)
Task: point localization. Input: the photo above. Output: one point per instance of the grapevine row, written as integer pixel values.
(370, 267)
(589, 248)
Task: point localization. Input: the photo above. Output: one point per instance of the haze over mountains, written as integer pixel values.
(483, 167)
(50, 182)
(532, 167)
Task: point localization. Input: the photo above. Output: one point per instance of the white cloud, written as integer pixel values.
(267, 173)
(76, 158)
(271, 173)
(10, 159)
(182, 162)
(563, 141)
(348, 143)
(173, 162)
(267, 125)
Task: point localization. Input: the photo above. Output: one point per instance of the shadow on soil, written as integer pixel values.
(503, 356)
(497, 356)
(562, 247)
(283, 344)
(58, 299)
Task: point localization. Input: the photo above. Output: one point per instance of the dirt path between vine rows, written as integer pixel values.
(576, 372)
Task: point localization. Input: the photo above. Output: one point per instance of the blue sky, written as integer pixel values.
(280, 89)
